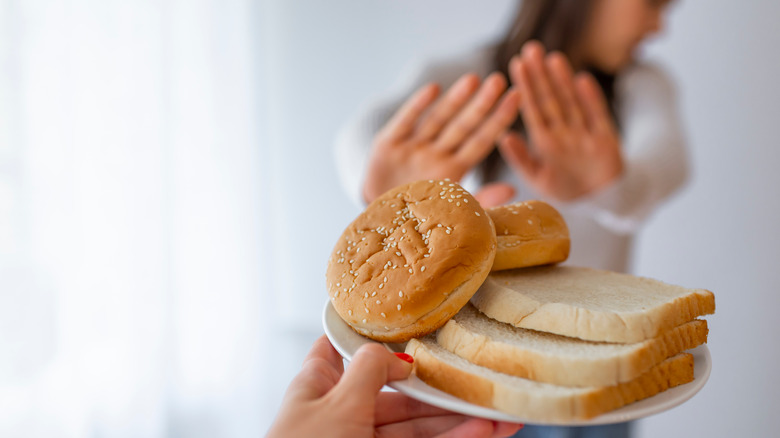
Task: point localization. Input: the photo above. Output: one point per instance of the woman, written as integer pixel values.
(604, 144)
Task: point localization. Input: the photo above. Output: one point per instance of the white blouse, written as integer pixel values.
(601, 224)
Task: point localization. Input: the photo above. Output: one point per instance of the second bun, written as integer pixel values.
(529, 233)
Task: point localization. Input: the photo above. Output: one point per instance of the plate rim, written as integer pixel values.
(412, 387)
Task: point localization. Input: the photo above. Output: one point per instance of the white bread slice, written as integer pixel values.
(535, 401)
(588, 303)
(560, 360)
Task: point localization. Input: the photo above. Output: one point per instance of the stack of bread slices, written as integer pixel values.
(489, 317)
(559, 344)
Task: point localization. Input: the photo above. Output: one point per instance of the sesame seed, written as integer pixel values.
(366, 295)
(398, 307)
(398, 253)
(465, 200)
(350, 312)
(336, 295)
(373, 294)
(364, 320)
(378, 302)
(366, 309)
(448, 231)
(426, 255)
(351, 262)
(338, 284)
(457, 204)
(410, 271)
(380, 285)
(383, 315)
(422, 268)
(477, 213)
(385, 280)
(400, 293)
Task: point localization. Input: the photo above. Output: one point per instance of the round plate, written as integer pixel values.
(347, 341)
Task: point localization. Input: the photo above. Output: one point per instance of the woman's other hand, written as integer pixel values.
(325, 401)
(575, 145)
(436, 138)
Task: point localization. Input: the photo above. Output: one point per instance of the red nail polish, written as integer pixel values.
(406, 357)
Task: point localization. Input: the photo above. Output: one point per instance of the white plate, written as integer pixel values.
(346, 341)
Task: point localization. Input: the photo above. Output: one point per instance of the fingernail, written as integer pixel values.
(405, 357)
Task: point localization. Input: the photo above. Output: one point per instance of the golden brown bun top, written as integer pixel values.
(403, 256)
(529, 220)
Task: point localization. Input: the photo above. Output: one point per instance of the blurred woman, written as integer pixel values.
(577, 119)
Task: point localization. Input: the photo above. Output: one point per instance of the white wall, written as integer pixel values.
(324, 58)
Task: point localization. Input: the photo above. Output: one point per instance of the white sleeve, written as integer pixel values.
(354, 140)
(654, 152)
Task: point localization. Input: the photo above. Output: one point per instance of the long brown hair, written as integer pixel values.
(559, 25)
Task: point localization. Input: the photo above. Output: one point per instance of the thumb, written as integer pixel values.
(495, 194)
(514, 149)
(371, 368)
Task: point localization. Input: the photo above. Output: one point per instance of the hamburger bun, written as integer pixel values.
(411, 260)
(529, 233)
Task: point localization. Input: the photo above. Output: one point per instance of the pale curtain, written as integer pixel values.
(133, 257)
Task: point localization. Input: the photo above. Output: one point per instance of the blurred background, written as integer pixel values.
(168, 200)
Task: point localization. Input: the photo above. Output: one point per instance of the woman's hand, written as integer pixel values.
(325, 401)
(430, 138)
(575, 145)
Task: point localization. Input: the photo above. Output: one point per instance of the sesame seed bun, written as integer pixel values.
(529, 233)
(411, 260)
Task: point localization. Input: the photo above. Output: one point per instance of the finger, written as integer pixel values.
(427, 427)
(394, 407)
(514, 70)
(514, 149)
(493, 195)
(532, 114)
(405, 119)
(473, 113)
(371, 368)
(546, 96)
(503, 429)
(474, 427)
(563, 78)
(320, 372)
(452, 101)
(483, 140)
(323, 349)
(592, 99)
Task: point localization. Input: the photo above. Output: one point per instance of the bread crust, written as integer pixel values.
(411, 260)
(529, 233)
(543, 403)
(581, 363)
(589, 304)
